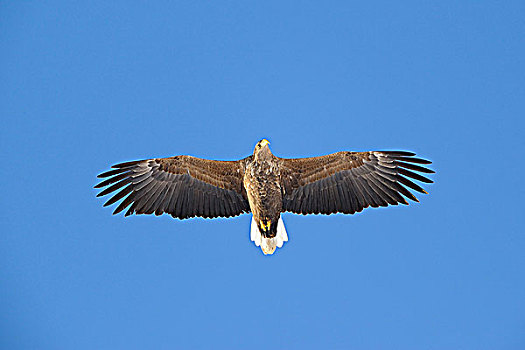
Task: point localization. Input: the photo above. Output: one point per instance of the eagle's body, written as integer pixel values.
(266, 185)
(263, 187)
(262, 182)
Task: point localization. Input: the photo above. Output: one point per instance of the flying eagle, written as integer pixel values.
(265, 185)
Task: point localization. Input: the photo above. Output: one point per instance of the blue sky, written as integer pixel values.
(88, 84)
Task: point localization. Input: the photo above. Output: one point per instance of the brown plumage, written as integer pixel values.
(266, 185)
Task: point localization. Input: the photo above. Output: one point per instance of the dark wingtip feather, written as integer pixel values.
(126, 164)
(112, 180)
(131, 209)
(413, 160)
(124, 204)
(399, 153)
(410, 184)
(402, 189)
(111, 173)
(414, 167)
(119, 195)
(114, 187)
(414, 175)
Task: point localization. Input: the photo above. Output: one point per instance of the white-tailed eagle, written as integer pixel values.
(265, 185)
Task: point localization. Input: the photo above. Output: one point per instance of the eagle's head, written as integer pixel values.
(262, 151)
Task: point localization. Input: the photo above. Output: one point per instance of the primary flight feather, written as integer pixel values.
(265, 185)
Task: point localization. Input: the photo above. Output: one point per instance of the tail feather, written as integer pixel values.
(268, 245)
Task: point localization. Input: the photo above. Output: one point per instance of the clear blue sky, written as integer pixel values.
(84, 85)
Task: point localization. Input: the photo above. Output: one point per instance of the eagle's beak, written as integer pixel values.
(264, 142)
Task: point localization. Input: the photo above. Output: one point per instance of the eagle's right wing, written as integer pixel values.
(347, 182)
(182, 186)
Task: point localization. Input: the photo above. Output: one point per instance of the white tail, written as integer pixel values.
(268, 245)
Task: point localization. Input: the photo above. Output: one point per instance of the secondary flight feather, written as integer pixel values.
(265, 185)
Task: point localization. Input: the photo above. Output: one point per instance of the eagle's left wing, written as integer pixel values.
(347, 182)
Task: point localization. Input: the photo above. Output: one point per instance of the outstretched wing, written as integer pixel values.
(347, 182)
(182, 186)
